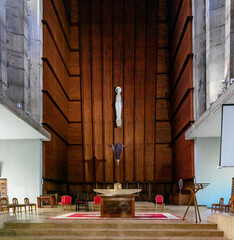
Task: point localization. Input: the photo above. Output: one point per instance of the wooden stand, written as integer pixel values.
(118, 206)
(194, 188)
(48, 199)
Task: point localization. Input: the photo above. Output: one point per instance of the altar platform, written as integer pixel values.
(38, 226)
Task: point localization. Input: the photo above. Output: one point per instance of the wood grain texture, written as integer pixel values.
(118, 52)
(150, 87)
(181, 84)
(129, 90)
(121, 43)
(96, 58)
(140, 90)
(163, 164)
(53, 117)
(75, 168)
(51, 53)
(183, 157)
(51, 85)
(182, 54)
(107, 89)
(185, 83)
(55, 152)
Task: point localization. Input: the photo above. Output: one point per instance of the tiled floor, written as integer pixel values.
(44, 213)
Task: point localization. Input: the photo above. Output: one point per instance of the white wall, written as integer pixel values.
(207, 152)
(21, 164)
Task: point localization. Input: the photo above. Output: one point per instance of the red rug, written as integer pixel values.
(96, 216)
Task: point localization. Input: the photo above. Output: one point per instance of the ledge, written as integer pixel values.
(209, 124)
(16, 124)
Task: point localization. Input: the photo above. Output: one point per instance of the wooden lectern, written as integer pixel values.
(194, 188)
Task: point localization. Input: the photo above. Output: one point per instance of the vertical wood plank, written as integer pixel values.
(150, 82)
(139, 89)
(118, 70)
(107, 89)
(128, 89)
(96, 57)
(86, 85)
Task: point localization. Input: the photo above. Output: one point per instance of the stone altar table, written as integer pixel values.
(117, 203)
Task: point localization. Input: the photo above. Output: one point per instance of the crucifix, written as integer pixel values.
(117, 149)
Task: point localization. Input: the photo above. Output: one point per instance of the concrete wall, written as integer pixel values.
(20, 54)
(207, 152)
(20, 162)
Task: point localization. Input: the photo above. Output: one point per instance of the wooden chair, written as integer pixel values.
(30, 205)
(5, 206)
(218, 206)
(97, 201)
(227, 207)
(82, 201)
(159, 202)
(18, 206)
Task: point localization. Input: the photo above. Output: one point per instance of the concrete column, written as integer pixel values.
(215, 47)
(35, 63)
(229, 42)
(17, 51)
(199, 60)
(3, 55)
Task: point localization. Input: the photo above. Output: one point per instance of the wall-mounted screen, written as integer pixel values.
(227, 137)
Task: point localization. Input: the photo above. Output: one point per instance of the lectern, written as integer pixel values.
(194, 188)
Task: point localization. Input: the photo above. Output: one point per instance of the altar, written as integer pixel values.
(117, 203)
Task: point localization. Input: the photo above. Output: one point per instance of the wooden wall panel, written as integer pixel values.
(162, 110)
(162, 86)
(163, 35)
(107, 89)
(183, 52)
(74, 38)
(51, 53)
(86, 83)
(118, 50)
(53, 117)
(163, 168)
(163, 132)
(139, 90)
(185, 83)
(75, 111)
(74, 92)
(63, 17)
(74, 63)
(183, 155)
(150, 87)
(183, 116)
(96, 57)
(128, 111)
(55, 152)
(75, 133)
(52, 87)
(61, 99)
(181, 83)
(162, 10)
(163, 61)
(121, 43)
(75, 168)
(184, 15)
(51, 19)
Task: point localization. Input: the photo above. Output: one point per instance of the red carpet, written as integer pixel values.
(96, 216)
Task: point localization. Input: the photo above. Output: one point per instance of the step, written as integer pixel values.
(111, 232)
(105, 224)
(111, 238)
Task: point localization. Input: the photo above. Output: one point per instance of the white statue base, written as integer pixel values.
(118, 123)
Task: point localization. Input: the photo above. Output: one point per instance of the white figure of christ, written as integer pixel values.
(118, 106)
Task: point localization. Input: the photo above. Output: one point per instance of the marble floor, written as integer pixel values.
(44, 213)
